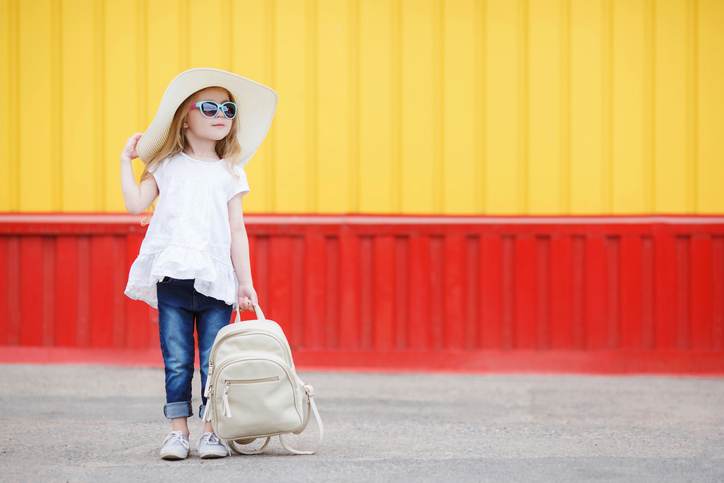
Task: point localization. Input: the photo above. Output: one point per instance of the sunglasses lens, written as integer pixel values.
(229, 109)
(208, 109)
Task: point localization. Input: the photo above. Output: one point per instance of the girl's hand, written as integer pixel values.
(247, 297)
(129, 151)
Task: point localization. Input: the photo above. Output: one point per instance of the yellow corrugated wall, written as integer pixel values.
(386, 106)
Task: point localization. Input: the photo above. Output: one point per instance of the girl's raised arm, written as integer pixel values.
(137, 197)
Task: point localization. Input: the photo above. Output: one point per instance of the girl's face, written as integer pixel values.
(203, 127)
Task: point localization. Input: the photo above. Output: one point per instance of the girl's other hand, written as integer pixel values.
(247, 297)
(129, 151)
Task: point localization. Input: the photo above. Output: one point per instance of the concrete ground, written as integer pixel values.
(100, 423)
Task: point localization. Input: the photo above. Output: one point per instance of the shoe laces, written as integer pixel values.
(179, 436)
(212, 438)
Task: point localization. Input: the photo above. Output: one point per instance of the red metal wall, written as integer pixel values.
(596, 294)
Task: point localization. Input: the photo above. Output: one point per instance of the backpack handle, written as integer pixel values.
(257, 310)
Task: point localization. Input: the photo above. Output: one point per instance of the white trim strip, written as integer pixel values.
(379, 220)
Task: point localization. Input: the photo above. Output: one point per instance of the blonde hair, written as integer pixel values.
(227, 148)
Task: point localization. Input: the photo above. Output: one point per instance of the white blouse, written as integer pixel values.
(189, 234)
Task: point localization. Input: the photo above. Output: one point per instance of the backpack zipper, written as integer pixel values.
(251, 381)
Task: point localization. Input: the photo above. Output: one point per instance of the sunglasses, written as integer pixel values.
(210, 108)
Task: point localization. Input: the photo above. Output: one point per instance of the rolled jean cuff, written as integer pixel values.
(201, 411)
(181, 409)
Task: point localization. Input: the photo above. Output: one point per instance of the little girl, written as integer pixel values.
(193, 264)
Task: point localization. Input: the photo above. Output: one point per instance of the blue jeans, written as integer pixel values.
(179, 304)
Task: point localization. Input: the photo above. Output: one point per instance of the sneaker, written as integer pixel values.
(175, 446)
(210, 446)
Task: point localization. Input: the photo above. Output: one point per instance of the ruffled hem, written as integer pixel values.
(213, 278)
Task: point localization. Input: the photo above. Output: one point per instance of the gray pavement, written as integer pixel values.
(104, 423)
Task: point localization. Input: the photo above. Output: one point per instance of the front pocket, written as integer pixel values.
(255, 397)
(229, 383)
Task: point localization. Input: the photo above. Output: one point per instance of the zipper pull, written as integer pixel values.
(207, 411)
(208, 379)
(227, 409)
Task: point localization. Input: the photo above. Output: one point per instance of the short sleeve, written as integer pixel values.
(240, 184)
(157, 171)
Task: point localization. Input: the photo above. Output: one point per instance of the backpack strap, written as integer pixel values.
(311, 408)
(238, 448)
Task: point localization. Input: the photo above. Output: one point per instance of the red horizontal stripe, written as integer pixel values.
(591, 293)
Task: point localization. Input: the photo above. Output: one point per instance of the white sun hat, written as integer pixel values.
(256, 105)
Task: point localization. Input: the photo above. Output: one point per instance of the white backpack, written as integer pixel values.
(253, 390)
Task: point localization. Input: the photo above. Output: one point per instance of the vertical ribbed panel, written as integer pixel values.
(381, 286)
(400, 106)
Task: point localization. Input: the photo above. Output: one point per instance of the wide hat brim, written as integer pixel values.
(256, 105)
